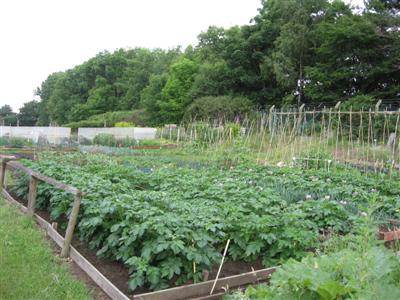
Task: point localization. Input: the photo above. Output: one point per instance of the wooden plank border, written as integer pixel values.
(202, 290)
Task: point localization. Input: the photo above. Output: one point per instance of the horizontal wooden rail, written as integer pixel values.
(60, 185)
(8, 162)
(199, 290)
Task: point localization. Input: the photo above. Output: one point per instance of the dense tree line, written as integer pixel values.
(293, 51)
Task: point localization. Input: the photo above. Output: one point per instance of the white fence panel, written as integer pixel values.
(145, 133)
(118, 132)
(54, 135)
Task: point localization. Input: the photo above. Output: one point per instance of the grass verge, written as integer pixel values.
(28, 267)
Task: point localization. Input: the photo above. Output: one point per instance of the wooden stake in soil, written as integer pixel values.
(220, 266)
(32, 195)
(71, 225)
(2, 173)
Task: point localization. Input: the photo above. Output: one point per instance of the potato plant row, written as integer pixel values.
(168, 221)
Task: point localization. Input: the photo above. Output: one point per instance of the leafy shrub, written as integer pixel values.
(359, 103)
(124, 124)
(105, 139)
(347, 274)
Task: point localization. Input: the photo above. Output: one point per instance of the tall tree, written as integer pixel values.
(29, 113)
(5, 110)
(175, 94)
(7, 116)
(356, 55)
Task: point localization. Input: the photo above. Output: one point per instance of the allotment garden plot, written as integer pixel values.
(168, 221)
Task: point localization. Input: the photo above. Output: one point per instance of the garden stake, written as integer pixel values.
(220, 266)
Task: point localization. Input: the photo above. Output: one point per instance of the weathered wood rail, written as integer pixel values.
(202, 290)
(199, 291)
(34, 177)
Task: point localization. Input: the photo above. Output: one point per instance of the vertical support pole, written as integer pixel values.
(32, 195)
(71, 225)
(299, 126)
(271, 110)
(2, 173)
(377, 105)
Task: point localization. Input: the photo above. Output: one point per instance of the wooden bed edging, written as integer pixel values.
(106, 285)
(202, 290)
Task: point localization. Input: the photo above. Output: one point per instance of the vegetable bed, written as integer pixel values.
(169, 221)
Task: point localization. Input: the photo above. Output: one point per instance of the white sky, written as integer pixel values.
(40, 37)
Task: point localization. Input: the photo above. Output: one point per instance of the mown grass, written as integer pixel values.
(28, 267)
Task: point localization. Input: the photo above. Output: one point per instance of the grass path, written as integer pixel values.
(28, 267)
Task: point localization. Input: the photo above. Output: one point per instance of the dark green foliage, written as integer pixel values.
(175, 94)
(359, 103)
(346, 274)
(7, 116)
(29, 114)
(108, 82)
(223, 108)
(109, 119)
(5, 110)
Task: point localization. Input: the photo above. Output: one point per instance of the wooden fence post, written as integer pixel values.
(4, 160)
(377, 105)
(71, 225)
(271, 110)
(32, 195)
(2, 173)
(300, 119)
(178, 135)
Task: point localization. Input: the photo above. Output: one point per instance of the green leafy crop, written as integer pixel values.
(167, 221)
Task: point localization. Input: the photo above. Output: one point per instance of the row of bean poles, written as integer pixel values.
(325, 138)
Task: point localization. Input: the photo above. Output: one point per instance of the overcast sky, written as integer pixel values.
(45, 36)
